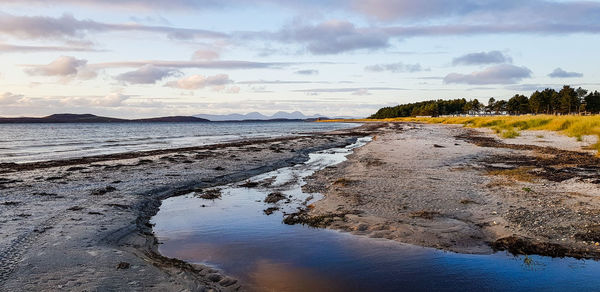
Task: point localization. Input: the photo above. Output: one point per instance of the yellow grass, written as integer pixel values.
(509, 126)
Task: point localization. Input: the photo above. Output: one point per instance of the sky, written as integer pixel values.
(148, 58)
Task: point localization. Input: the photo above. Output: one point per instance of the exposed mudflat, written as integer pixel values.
(83, 224)
(463, 190)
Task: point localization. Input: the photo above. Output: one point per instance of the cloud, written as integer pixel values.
(560, 73)
(205, 55)
(64, 66)
(498, 74)
(198, 81)
(67, 27)
(482, 58)
(307, 72)
(279, 82)
(396, 68)
(8, 48)
(362, 91)
(193, 64)
(233, 90)
(352, 90)
(8, 98)
(147, 74)
(334, 36)
(111, 100)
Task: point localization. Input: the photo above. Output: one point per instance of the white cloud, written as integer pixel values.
(193, 82)
(499, 74)
(396, 68)
(8, 98)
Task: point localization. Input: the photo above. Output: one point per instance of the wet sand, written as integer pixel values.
(83, 224)
(464, 190)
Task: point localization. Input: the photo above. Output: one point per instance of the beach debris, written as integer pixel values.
(274, 197)
(438, 146)
(75, 208)
(123, 266)
(211, 194)
(249, 184)
(270, 210)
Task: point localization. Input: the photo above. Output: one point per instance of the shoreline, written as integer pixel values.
(123, 190)
(462, 190)
(86, 225)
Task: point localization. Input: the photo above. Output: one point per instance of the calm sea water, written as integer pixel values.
(38, 142)
(234, 235)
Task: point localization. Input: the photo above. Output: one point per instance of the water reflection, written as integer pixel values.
(234, 235)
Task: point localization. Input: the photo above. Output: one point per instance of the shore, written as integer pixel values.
(464, 190)
(83, 224)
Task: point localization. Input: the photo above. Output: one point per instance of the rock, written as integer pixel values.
(274, 197)
(123, 266)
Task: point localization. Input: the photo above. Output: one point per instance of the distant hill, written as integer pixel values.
(256, 116)
(89, 118)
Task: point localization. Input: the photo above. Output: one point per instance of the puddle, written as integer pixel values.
(234, 235)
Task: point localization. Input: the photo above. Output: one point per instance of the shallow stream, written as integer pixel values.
(235, 235)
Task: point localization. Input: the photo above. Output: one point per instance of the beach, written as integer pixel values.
(84, 224)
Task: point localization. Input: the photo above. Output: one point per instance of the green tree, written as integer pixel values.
(592, 102)
(536, 102)
(491, 104)
(568, 100)
(518, 104)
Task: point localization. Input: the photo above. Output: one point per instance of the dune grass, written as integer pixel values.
(510, 126)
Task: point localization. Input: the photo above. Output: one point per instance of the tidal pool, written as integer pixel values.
(235, 235)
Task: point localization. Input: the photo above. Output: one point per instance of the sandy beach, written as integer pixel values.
(84, 224)
(465, 190)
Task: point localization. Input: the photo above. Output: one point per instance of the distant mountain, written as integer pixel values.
(89, 118)
(258, 117)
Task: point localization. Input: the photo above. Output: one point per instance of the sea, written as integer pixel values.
(21, 143)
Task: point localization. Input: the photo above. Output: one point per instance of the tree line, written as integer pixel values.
(548, 101)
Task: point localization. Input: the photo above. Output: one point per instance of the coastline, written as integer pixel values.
(463, 190)
(83, 224)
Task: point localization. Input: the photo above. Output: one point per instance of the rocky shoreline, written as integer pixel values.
(83, 224)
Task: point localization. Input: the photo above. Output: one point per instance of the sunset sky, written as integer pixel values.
(143, 58)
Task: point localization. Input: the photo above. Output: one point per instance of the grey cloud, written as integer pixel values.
(66, 67)
(67, 26)
(63, 66)
(334, 37)
(492, 57)
(498, 74)
(307, 72)
(560, 73)
(396, 68)
(147, 74)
